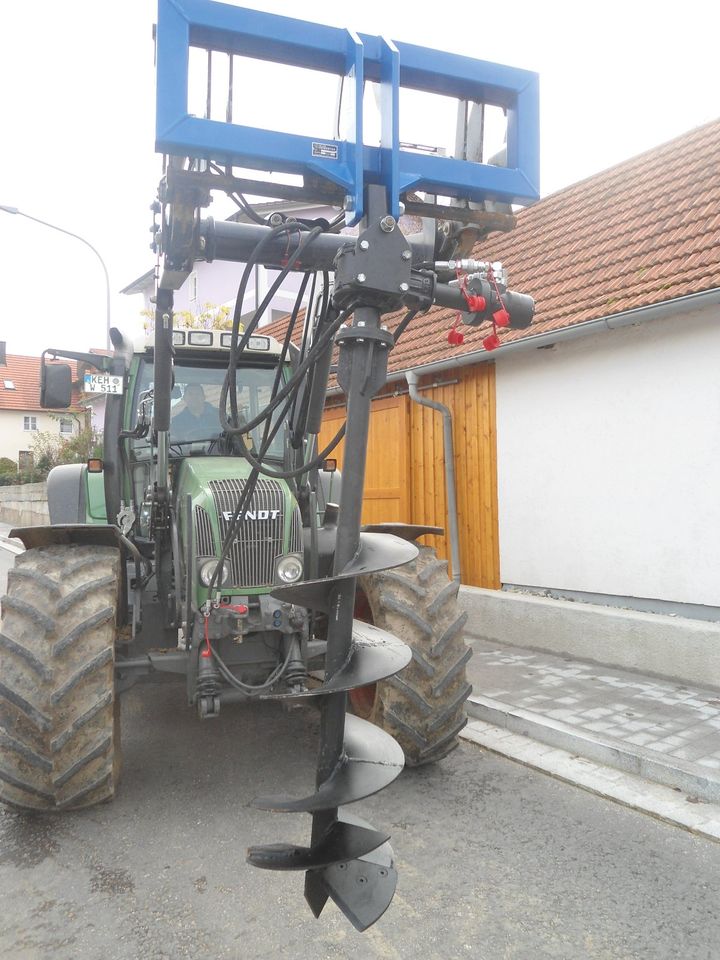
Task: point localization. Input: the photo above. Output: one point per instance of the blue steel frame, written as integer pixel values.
(356, 57)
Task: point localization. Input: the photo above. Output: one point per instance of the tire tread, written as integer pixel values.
(423, 706)
(59, 725)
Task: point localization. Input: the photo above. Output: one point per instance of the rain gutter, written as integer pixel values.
(656, 311)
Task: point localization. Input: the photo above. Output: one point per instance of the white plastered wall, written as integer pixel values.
(609, 462)
(13, 436)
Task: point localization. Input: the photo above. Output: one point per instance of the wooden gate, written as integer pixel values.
(405, 477)
(387, 477)
(469, 394)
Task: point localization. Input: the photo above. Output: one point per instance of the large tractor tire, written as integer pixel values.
(423, 706)
(59, 717)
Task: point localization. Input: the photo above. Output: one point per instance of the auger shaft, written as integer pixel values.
(361, 371)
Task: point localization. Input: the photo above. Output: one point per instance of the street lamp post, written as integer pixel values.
(69, 233)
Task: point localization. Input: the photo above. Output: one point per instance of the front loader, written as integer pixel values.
(214, 541)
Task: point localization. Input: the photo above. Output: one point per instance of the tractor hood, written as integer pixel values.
(270, 526)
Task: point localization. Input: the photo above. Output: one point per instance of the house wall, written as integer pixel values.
(14, 438)
(96, 406)
(609, 462)
(217, 282)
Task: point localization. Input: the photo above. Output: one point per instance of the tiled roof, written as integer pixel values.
(24, 374)
(640, 233)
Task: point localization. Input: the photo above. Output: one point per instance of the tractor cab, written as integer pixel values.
(197, 405)
(197, 409)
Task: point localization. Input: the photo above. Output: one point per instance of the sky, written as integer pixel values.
(77, 93)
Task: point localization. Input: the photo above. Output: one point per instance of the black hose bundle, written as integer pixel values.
(318, 334)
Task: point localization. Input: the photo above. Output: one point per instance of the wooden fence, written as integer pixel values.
(405, 477)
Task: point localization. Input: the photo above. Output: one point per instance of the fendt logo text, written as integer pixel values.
(253, 515)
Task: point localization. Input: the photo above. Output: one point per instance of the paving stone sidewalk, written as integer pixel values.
(666, 717)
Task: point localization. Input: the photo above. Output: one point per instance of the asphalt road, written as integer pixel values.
(495, 861)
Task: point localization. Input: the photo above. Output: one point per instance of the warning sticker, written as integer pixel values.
(328, 150)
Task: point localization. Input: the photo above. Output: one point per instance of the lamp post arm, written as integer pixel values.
(69, 233)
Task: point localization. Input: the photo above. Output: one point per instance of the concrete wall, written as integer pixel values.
(25, 505)
(609, 462)
(675, 647)
(13, 436)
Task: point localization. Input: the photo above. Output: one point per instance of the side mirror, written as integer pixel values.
(55, 386)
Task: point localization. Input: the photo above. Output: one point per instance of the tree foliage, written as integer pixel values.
(210, 317)
(50, 450)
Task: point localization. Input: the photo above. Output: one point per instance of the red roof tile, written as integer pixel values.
(643, 232)
(24, 374)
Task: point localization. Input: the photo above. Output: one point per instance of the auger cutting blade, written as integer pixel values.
(371, 760)
(363, 888)
(377, 551)
(406, 531)
(374, 655)
(343, 841)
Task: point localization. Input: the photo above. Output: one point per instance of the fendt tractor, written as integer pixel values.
(214, 542)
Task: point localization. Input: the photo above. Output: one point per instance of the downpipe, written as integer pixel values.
(449, 453)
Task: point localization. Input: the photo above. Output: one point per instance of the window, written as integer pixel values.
(66, 426)
(9, 384)
(29, 423)
(193, 287)
(202, 424)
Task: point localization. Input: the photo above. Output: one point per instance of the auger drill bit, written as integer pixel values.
(347, 860)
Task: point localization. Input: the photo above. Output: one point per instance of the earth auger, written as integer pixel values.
(193, 528)
(346, 859)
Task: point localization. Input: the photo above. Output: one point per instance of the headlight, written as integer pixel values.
(289, 569)
(207, 569)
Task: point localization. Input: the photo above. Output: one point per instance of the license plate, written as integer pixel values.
(102, 383)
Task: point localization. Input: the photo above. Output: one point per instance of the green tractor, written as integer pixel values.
(214, 542)
(120, 587)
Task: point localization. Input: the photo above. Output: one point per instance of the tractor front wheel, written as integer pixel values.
(423, 706)
(59, 717)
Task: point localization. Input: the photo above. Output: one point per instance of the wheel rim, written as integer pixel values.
(363, 699)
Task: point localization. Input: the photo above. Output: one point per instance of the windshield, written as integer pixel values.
(194, 414)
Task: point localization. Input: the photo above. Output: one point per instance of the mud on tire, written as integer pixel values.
(423, 706)
(59, 719)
